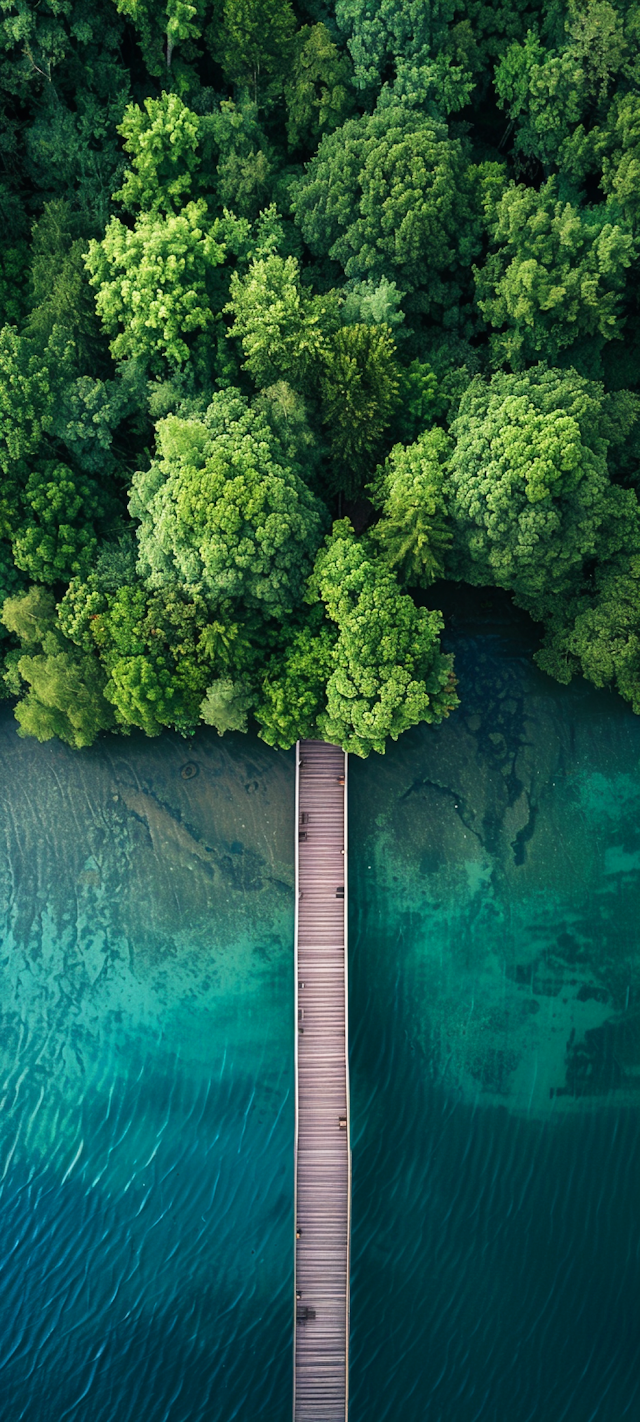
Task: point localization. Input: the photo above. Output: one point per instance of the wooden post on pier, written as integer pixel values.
(322, 1139)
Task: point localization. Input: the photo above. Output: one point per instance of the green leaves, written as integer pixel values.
(152, 282)
(388, 193)
(220, 514)
(162, 141)
(358, 390)
(413, 533)
(65, 511)
(254, 45)
(389, 671)
(528, 484)
(65, 687)
(318, 96)
(555, 274)
(293, 690)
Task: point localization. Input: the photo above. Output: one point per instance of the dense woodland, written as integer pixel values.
(304, 307)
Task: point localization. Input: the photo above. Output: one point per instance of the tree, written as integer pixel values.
(555, 274)
(246, 161)
(528, 488)
(282, 327)
(382, 33)
(599, 634)
(389, 673)
(153, 646)
(65, 514)
(294, 688)
(388, 193)
(358, 392)
(253, 44)
(152, 282)
(65, 687)
(162, 25)
(162, 142)
(318, 96)
(227, 704)
(62, 302)
(221, 513)
(26, 399)
(413, 533)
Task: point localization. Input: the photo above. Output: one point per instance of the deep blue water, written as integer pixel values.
(146, 1109)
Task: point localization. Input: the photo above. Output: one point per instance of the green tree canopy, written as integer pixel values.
(390, 672)
(413, 533)
(65, 514)
(528, 486)
(64, 687)
(222, 512)
(391, 192)
(162, 142)
(151, 282)
(555, 274)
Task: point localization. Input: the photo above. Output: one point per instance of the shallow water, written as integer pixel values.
(146, 1186)
(145, 1081)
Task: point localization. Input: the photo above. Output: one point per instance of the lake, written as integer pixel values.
(146, 1064)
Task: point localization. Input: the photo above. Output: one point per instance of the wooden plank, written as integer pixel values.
(322, 1141)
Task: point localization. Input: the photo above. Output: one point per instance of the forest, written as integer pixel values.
(305, 307)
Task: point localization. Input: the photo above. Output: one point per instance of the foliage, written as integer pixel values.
(226, 705)
(293, 690)
(413, 532)
(358, 391)
(555, 274)
(65, 687)
(221, 512)
(162, 141)
(254, 45)
(152, 282)
(65, 511)
(391, 192)
(389, 672)
(283, 329)
(257, 258)
(528, 486)
(317, 96)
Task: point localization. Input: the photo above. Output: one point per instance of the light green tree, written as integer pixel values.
(221, 514)
(65, 513)
(162, 25)
(64, 687)
(282, 327)
(293, 694)
(413, 533)
(528, 487)
(555, 274)
(151, 282)
(227, 704)
(389, 671)
(162, 142)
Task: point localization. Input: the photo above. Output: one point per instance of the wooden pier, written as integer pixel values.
(322, 1140)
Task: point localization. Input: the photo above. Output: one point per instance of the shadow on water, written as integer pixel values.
(495, 1007)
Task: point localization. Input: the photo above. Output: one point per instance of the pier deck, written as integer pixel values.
(322, 1146)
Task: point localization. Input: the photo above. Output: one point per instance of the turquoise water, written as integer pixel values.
(495, 996)
(146, 1107)
(145, 1081)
